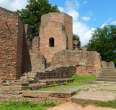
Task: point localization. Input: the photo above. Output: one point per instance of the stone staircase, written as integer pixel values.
(56, 75)
(51, 76)
(28, 81)
(35, 80)
(107, 74)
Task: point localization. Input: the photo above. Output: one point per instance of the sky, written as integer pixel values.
(87, 14)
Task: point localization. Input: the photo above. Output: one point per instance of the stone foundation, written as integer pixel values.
(58, 72)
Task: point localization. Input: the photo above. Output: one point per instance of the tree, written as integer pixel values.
(76, 41)
(31, 15)
(104, 41)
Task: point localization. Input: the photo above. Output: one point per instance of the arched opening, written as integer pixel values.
(51, 42)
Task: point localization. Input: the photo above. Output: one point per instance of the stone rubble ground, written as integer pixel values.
(74, 106)
(98, 91)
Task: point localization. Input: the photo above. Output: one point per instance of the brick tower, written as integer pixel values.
(55, 34)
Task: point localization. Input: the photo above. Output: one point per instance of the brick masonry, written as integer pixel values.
(85, 61)
(59, 27)
(11, 45)
(16, 59)
(56, 72)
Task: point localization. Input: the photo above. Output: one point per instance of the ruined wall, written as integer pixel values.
(26, 59)
(59, 27)
(38, 61)
(109, 65)
(10, 45)
(56, 72)
(85, 61)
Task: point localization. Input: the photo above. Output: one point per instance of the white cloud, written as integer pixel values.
(71, 4)
(86, 18)
(1, 1)
(80, 26)
(106, 22)
(113, 22)
(109, 21)
(74, 14)
(13, 4)
(71, 7)
(61, 9)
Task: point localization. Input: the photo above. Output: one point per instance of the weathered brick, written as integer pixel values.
(12, 44)
(59, 27)
(85, 61)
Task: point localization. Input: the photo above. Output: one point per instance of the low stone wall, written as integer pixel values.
(108, 64)
(56, 73)
(84, 61)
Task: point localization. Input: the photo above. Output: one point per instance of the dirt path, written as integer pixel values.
(73, 106)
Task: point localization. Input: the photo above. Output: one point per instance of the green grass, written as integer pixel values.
(78, 82)
(111, 104)
(26, 105)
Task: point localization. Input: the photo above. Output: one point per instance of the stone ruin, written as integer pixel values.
(86, 62)
(55, 74)
(14, 56)
(53, 48)
(108, 72)
(55, 34)
(53, 57)
(108, 65)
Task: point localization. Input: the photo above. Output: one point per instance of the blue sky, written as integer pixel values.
(87, 14)
(100, 11)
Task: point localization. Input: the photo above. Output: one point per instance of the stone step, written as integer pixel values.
(108, 73)
(106, 79)
(103, 74)
(35, 86)
(109, 68)
(51, 81)
(46, 94)
(107, 76)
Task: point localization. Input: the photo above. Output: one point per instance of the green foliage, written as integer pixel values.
(104, 41)
(32, 14)
(76, 37)
(26, 105)
(76, 41)
(49, 103)
(84, 78)
(111, 104)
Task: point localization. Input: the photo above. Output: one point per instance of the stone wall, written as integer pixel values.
(11, 45)
(108, 65)
(38, 61)
(56, 72)
(59, 27)
(85, 61)
(26, 59)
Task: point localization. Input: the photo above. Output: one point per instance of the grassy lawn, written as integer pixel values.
(78, 82)
(111, 104)
(26, 105)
